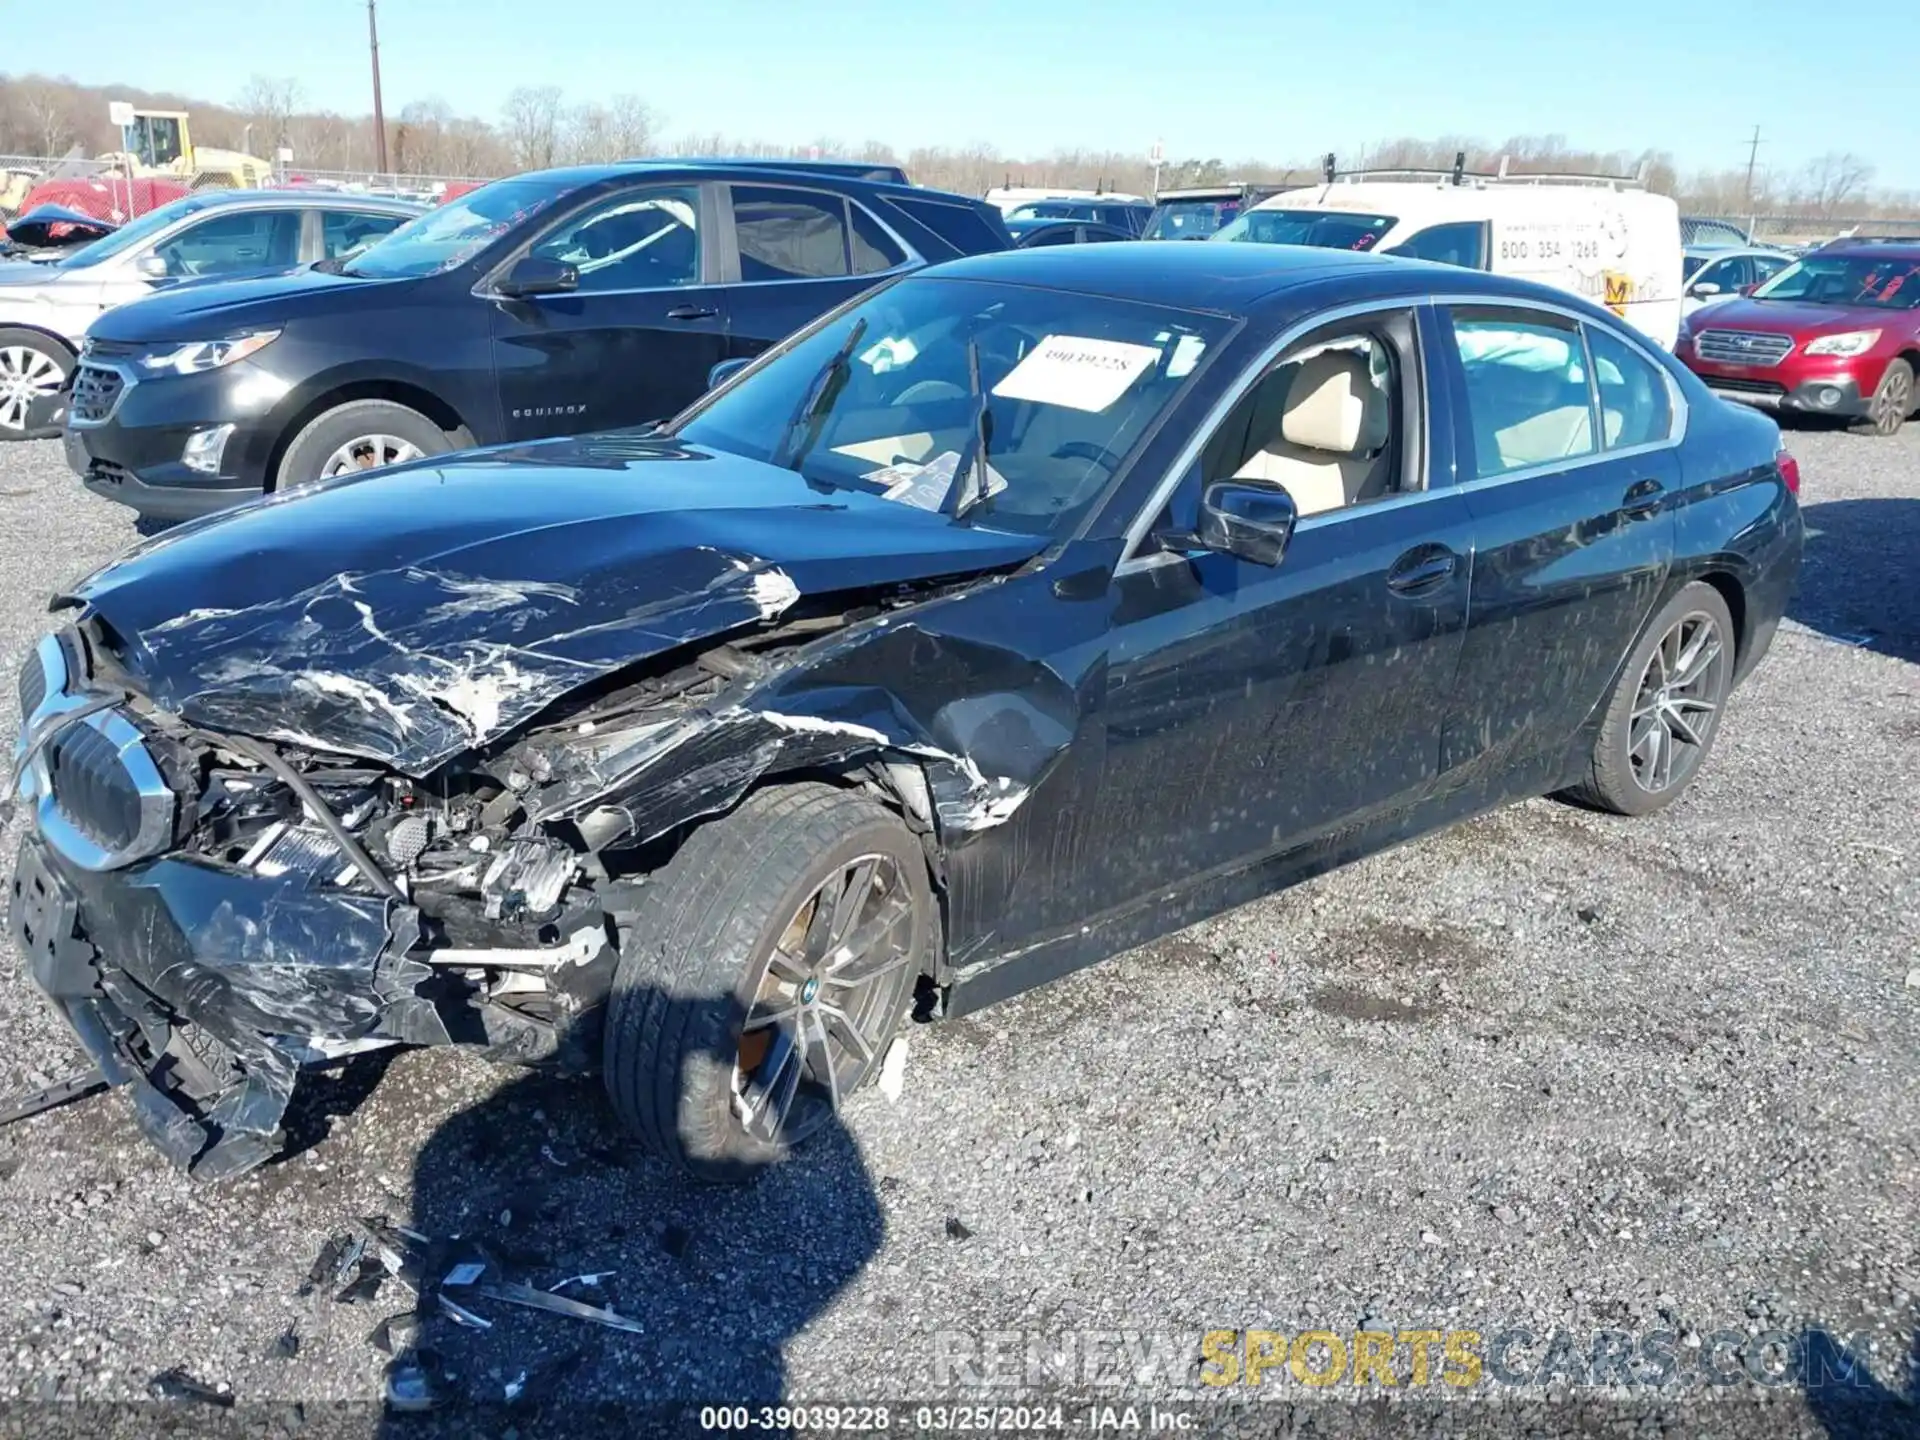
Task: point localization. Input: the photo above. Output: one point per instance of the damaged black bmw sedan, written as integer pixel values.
(1018, 612)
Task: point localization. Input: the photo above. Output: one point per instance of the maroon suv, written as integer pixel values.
(1835, 333)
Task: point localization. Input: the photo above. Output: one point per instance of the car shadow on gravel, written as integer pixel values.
(1847, 1401)
(542, 1176)
(1856, 581)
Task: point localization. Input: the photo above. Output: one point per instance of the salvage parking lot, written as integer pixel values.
(1548, 1070)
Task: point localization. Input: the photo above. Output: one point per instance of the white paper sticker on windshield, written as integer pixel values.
(1077, 372)
(925, 486)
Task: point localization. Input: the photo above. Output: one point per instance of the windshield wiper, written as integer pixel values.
(976, 488)
(813, 410)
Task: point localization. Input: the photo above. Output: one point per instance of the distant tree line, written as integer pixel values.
(540, 126)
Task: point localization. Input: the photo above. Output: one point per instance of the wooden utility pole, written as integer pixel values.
(379, 115)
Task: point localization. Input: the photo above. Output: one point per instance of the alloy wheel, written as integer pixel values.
(1892, 401)
(1678, 703)
(822, 998)
(26, 375)
(369, 452)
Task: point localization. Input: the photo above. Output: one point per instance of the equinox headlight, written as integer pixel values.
(1847, 342)
(197, 355)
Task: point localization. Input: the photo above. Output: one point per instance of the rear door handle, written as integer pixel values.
(1423, 568)
(1642, 499)
(691, 312)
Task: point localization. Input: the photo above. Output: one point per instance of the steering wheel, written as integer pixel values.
(1087, 450)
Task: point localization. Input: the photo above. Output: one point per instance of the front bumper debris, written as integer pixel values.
(199, 993)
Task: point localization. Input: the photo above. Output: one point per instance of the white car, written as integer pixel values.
(1609, 240)
(47, 304)
(1720, 273)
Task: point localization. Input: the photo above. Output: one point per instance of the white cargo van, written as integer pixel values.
(1608, 240)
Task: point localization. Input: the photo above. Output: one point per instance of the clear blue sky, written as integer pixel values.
(1227, 78)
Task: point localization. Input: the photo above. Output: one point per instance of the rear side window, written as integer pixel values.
(873, 248)
(343, 231)
(1463, 244)
(789, 234)
(1528, 402)
(1635, 404)
(961, 226)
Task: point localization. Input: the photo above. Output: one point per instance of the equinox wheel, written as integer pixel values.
(1892, 400)
(763, 976)
(1665, 709)
(32, 367)
(361, 435)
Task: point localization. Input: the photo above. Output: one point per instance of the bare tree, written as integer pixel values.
(632, 126)
(46, 110)
(1834, 181)
(269, 103)
(532, 119)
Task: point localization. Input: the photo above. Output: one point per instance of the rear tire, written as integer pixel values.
(1892, 400)
(711, 1015)
(361, 435)
(32, 367)
(1665, 709)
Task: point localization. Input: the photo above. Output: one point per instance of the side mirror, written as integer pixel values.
(537, 275)
(152, 267)
(726, 370)
(1252, 522)
(1706, 288)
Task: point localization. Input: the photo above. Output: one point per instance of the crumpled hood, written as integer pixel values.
(413, 614)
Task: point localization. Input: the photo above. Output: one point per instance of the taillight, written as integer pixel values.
(1789, 471)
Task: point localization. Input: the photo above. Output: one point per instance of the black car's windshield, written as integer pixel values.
(132, 234)
(882, 397)
(1328, 229)
(455, 232)
(1189, 219)
(1880, 283)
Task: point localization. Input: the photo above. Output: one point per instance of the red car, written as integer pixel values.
(1835, 333)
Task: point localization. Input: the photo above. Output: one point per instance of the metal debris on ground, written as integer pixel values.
(515, 1293)
(177, 1385)
(51, 1097)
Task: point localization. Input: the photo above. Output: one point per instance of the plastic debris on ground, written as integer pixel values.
(177, 1385)
(893, 1070)
(436, 1271)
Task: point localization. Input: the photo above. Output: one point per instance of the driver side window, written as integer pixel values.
(231, 243)
(1331, 421)
(636, 240)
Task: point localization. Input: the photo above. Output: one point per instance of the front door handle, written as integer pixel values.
(1642, 499)
(692, 312)
(1423, 568)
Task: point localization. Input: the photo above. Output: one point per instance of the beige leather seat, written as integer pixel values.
(1327, 447)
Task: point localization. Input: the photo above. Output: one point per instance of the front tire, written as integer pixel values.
(32, 367)
(763, 977)
(360, 435)
(1665, 709)
(1892, 400)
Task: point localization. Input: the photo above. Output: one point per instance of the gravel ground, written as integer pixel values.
(1548, 1070)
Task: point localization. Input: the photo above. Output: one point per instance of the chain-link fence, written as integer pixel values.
(21, 175)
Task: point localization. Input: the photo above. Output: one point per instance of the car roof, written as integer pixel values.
(314, 195)
(1723, 252)
(1232, 279)
(1867, 250)
(580, 176)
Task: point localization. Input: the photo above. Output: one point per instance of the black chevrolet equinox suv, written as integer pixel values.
(545, 304)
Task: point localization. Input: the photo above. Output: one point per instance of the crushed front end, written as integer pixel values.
(211, 913)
